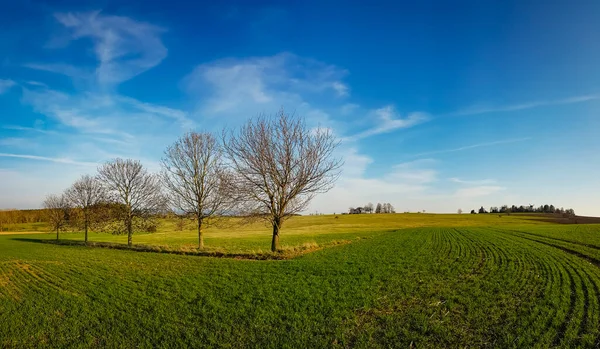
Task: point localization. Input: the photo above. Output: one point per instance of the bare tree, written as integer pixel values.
(460, 211)
(56, 208)
(129, 184)
(280, 165)
(196, 178)
(384, 208)
(86, 193)
(369, 208)
(378, 208)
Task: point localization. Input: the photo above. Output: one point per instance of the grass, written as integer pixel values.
(232, 236)
(398, 280)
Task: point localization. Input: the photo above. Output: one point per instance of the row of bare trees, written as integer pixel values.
(268, 169)
(368, 208)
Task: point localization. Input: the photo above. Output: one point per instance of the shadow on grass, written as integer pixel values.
(285, 253)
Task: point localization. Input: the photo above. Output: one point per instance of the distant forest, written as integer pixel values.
(525, 209)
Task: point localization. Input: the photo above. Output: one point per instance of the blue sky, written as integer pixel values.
(439, 105)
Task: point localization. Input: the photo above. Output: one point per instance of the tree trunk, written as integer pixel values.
(129, 231)
(200, 235)
(57, 228)
(275, 241)
(86, 231)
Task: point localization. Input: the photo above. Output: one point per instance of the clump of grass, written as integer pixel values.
(300, 248)
(285, 253)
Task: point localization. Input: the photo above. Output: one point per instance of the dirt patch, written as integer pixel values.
(573, 220)
(561, 219)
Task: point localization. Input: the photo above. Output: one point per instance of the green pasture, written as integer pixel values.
(397, 280)
(235, 235)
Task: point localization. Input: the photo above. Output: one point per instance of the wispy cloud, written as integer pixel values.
(36, 83)
(176, 114)
(475, 182)
(256, 84)
(103, 113)
(529, 105)
(50, 159)
(64, 69)
(5, 85)
(28, 129)
(94, 122)
(355, 164)
(473, 146)
(341, 89)
(14, 142)
(123, 47)
(404, 185)
(69, 110)
(348, 108)
(415, 172)
(477, 191)
(389, 120)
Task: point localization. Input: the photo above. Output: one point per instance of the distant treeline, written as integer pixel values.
(14, 216)
(369, 208)
(105, 218)
(525, 209)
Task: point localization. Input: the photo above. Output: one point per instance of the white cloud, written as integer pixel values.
(388, 120)
(261, 84)
(104, 113)
(348, 108)
(475, 110)
(176, 114)
(86, 113)
(405, 185)
(473, 146)
(475, 182)
(28, 129)
(123, 47)
(355, 164)
(95, 124)
(36, 83)
(415, 172)
(478, 191)
(64, 69)
(50, 159)
(14, 142)
(341, 89)
(5, 85)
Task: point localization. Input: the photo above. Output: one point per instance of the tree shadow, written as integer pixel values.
(31, 240)
(280, 255)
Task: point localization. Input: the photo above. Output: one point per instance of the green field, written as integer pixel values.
(369, 281)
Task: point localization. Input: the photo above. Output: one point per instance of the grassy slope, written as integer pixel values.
(235, 237)
(478, 281)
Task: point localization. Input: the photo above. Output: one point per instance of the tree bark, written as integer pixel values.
(86, 230)
(57, 228)
(129, 232)
(200, 235)
(275, 241)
